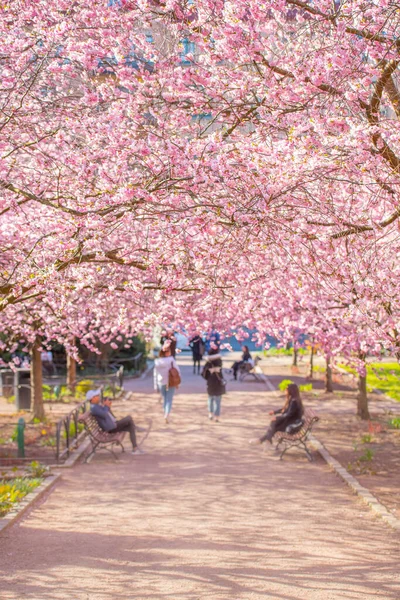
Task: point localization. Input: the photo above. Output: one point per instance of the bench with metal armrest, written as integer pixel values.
(99, 437)
(253, 370)
(299, 435)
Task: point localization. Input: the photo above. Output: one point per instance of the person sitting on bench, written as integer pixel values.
(246, 357)
(291, 413)
(108, 422)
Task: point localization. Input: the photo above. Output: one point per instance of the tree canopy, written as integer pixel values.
(200, 163)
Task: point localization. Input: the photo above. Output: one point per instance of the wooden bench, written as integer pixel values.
(299, 438)
(253, 370)
(99, 437)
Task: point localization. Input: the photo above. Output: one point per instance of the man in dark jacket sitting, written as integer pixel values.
(107, 421)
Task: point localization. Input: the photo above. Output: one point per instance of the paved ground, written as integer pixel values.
(201, 516)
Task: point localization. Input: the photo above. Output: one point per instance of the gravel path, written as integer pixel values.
(201, 516)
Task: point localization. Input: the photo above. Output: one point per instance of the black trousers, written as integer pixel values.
(196, 361)
(272, 429)
(236, 366)
(126, 424)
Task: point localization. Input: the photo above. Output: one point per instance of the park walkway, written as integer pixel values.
(201, 516)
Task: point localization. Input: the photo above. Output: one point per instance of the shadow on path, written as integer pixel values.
(201, 515)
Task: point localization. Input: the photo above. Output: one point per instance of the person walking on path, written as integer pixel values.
(197, 345)
(107, 421)
(291, 413)
(166, 377)
(166, 336)
(212, 373)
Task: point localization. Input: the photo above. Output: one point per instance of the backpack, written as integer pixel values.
(293, 428)
(174, 379)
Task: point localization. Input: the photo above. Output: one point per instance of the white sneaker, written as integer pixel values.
(255, 441)
(138, 450)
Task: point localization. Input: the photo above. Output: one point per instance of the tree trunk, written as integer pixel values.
(328, 376)
(362, 398)
(37, 383)
(71, 373)
(311, 372)
(295, 355)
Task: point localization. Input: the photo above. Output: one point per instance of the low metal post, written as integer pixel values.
(76, 415)
(21, 437)
(66, 425)
(58, 440)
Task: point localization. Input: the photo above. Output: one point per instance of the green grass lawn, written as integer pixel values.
(382, 376)
(283, 352)
(385, 377)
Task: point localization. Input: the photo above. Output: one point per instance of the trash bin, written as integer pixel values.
(6, 383)
(22, 384)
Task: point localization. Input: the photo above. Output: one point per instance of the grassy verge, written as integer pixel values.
(283, 352)
(12, 492)
(382, 376)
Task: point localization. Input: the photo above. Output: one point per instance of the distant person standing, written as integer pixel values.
(47, 362)
(197, 345)
(212, 373)
(168, 335)
(167, 377)
(212, 338)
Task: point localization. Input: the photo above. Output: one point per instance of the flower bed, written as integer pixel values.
(14, 490)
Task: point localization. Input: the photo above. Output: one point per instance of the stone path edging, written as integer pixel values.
(28, 501)
(75, 455)
(365, 495)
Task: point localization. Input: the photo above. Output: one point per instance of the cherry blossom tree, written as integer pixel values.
(200, 163)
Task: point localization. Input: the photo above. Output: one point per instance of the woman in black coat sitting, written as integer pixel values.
(291, 412)
(246, 357)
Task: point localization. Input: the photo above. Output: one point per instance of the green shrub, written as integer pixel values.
(368, 455)
(83, 387)
(72, 429)
(14, 435)
(109, 390)
(395, 423)
(36, 469)
(284, 384)
(47, 392)
(366, 438)
(307, 387)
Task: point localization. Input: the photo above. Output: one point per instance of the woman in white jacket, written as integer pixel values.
(162, 366)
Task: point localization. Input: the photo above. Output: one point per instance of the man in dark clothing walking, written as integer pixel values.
(197, 345)
(108, 422)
